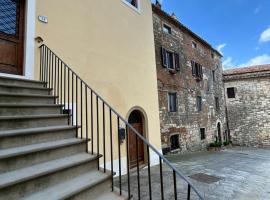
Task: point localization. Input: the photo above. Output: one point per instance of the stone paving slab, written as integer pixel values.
(244, 175)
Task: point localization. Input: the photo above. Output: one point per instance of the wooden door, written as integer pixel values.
(11, 36)
(133, 150)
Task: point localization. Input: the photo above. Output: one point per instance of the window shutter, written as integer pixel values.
(164, 57)
(177, 61)
(201, 72)
(193, 68)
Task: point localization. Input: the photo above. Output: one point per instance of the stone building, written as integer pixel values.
(248, 103)
(190, 86)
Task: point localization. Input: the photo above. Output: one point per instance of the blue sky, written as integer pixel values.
(240, 29)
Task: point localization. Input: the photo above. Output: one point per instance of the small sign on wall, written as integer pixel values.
(43, 19)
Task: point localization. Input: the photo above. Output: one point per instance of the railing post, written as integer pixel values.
(188, 193)
(119, 156)
(149, 173)
(127, 152)
(111, 144)
(174, 185)
(161, 178)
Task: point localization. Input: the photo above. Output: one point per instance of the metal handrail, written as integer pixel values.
(128, 125)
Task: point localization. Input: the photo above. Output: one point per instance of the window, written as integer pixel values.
(199, 103)
(167, 29)
(133, 3)
(194, 45)
(202, 132)
(217, 103)
(172, 102)
(213, 75)
(170, 60)
(174, 142)
(197, 70)
(213, 55)
(231, 92)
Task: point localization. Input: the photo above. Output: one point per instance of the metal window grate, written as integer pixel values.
(9, 17)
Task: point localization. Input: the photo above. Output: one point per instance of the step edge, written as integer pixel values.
(77, 190)
(22, 79)
(21, 132)
(39, 149)
(51, 171)
(27, 95)
(22, 117)
(24, 87)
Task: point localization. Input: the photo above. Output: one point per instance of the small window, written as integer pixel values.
(133, 3)
(170, 60)
(212, 55)
(217, 103)
(167, 29)
(194, 45)
(172, 102)
(231, 92)
(199, 103)
(213, 75)
(174, 142)
(202, 132)
(197, 71)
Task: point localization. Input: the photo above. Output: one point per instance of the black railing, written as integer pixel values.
(99, 125)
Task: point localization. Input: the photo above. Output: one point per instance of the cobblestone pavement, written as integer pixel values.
(243, 173)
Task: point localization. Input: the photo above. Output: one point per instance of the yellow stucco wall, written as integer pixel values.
(111, 47)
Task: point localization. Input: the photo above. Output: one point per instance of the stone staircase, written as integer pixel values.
(40, 155)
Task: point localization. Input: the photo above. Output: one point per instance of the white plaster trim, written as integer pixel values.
(138, 10)
(154, 160)
(30, 26)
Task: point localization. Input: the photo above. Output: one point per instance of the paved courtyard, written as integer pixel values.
(238, 173)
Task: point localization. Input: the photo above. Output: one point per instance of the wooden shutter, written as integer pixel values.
(164, 57)
(177, 62)
(193, 68)
(201, 72)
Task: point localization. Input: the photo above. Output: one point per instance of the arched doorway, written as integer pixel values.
(136, 145)
(219, 132)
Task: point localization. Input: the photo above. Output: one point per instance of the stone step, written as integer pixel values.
(7, 109)
(24, 156)
(32, 121)
(15, 89)
(23, 137)
(26, 98)
(22, 82)
(93, 180)
(26, 181)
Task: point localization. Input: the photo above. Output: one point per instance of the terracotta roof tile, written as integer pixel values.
(245, 70)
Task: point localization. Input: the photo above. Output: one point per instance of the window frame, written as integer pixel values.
(203, 136)
(169, 102)
(217, 104)
(167, 61)
(199, 103)
(214, 75)
(194, 45)
(137, 9)
(234, 93)
(166, 27)
(197, 70)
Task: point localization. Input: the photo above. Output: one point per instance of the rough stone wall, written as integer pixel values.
(249, 111)
(187, 121)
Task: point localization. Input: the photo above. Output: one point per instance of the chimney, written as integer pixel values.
(158, 4)
(174, 16)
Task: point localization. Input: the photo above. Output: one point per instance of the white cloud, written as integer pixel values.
(228, 62)
(221, 46)
(265, 36)
(259, 60)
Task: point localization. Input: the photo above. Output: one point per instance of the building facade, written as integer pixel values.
(190, 86)
(109, 44)
(248, 99)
